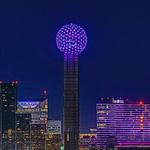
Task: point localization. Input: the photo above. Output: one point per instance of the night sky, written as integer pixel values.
(115, 63)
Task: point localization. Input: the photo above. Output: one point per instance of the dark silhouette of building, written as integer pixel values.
(8, 98)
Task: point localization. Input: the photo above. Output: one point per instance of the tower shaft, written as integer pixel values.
(71, 101)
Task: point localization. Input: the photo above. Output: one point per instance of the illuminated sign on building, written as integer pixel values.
(28, 104)
(118, 101)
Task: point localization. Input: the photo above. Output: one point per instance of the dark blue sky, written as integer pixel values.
(116, 61)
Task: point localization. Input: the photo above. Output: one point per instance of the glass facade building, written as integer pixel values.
(54, 127)
(23, 137)
(38, 136)
(8, 99)
(37, 107)
(38, 110)
(122, 123)
(54, 138)
(87, 140)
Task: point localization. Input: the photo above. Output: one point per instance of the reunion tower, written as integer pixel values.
(71, 39)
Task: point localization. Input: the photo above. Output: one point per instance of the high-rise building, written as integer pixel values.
(8, 98)
(38, 136)
(87, 140)
(122, 123)
(54, 138)
(23, 136)
(71, 40)
(54, 127)
(38, 109)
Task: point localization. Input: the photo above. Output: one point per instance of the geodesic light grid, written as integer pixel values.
(71, 38)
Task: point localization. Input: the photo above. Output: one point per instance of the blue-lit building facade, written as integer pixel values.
(122, 123)
(38, 110)
(8, 100)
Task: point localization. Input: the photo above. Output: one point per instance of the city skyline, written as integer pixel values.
(115, 63)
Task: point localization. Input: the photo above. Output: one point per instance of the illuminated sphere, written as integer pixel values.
(71, 38)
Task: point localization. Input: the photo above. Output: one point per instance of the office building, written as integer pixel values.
(54, 127)
(38, 109)
(123, 123)
(23, 136)
(87, 140)
(54, 135)
(8, 98)
(38, 136)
